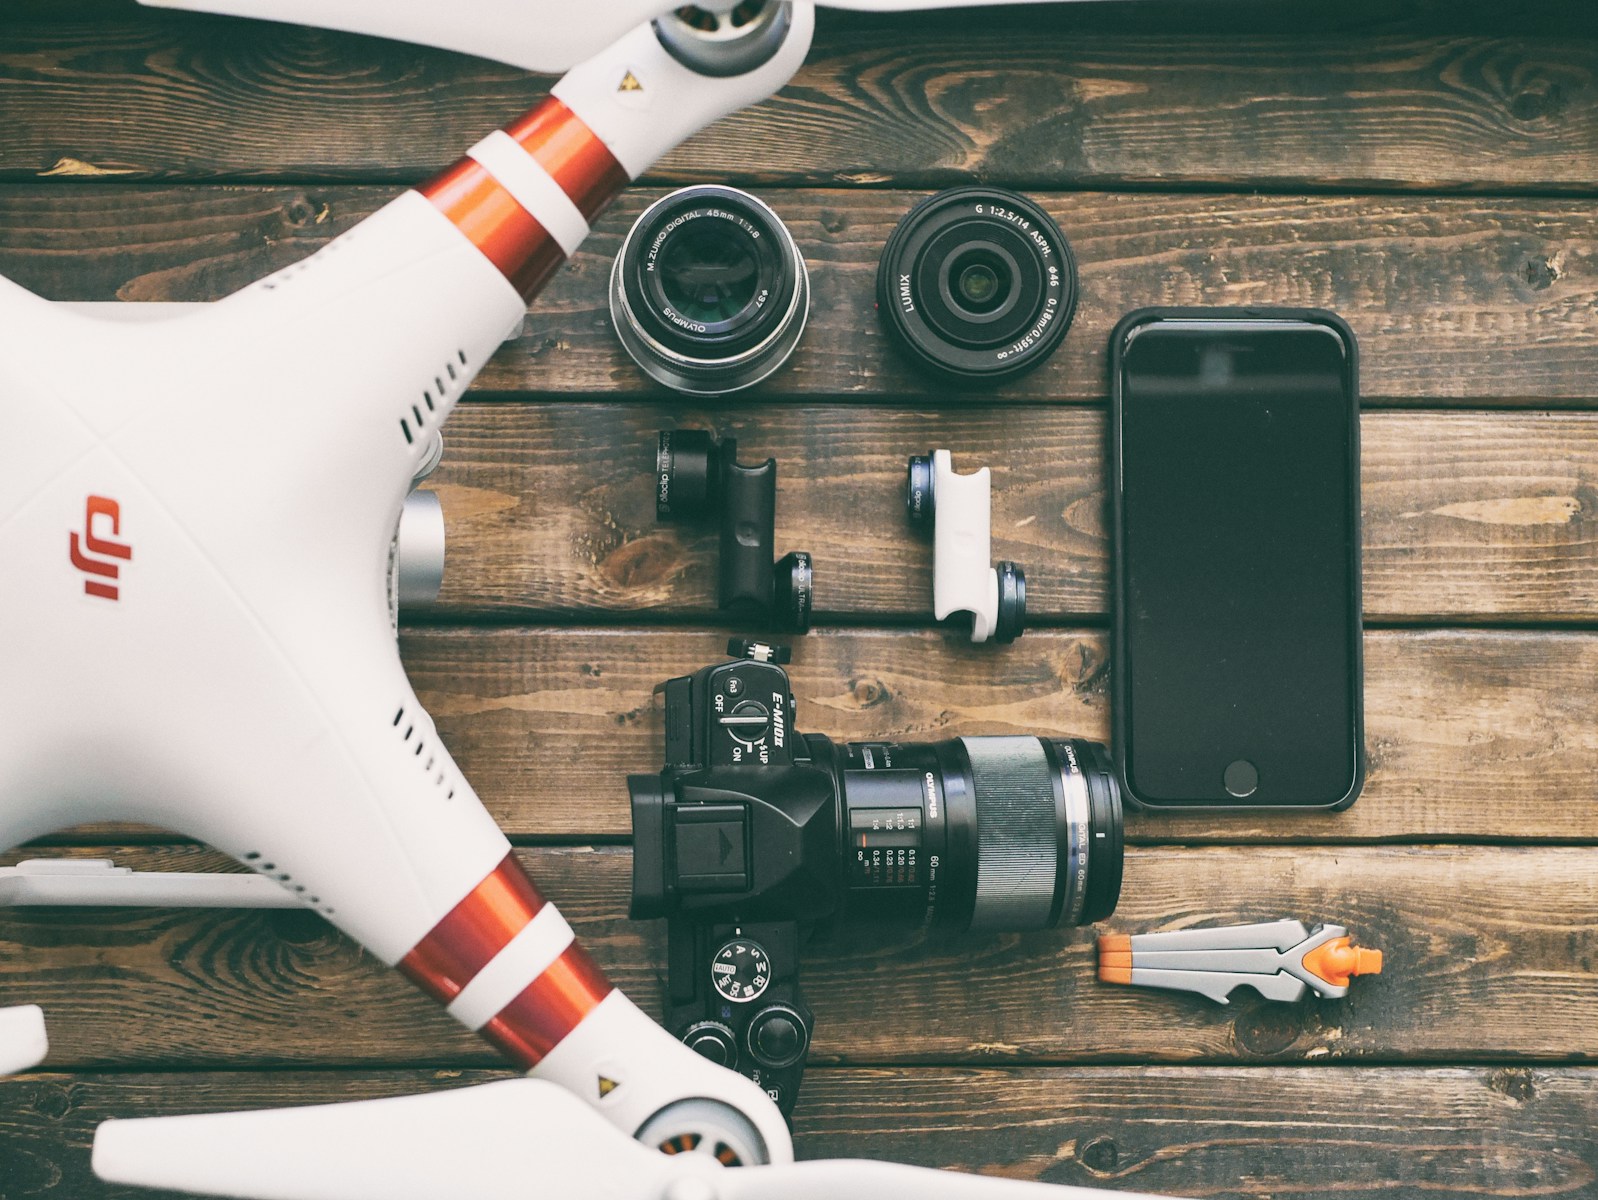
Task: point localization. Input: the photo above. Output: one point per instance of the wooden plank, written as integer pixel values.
(1469, 734)
(550, 510)
(1226, 1134)
(1445, 294)
(1490, 954)
(1041, 100)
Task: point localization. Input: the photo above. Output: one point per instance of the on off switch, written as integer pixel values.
(748, 721)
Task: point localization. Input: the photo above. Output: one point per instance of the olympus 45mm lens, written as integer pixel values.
(977, 284)
(709, 293)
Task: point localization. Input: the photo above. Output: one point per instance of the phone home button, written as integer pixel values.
(1241, 779)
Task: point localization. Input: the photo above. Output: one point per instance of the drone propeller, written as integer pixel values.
(536, 35)
(512, 1140)
(23, 1043)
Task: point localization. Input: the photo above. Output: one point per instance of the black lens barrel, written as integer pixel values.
(988, 833)
(977, 284)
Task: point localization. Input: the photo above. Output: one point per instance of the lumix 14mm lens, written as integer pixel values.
(709, 293)
(977, 284)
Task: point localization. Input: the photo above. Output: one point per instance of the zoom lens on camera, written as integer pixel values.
(977, 284)
(709, 293)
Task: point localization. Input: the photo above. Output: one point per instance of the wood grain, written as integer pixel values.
(1469, 734)
(1225, 1134)
(1490, 951)
(1448, 296)
(550, 510)
(1039, 101)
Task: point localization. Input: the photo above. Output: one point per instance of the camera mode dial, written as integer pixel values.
(741, 970)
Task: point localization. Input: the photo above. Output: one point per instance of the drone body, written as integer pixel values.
(196, 514)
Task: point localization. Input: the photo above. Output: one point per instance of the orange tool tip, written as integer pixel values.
(1337, 961)
(1115, 958)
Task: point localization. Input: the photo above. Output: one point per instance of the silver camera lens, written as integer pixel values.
(709, 293)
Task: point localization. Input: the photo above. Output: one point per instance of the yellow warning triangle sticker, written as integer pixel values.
(607, 1086)
(629, 83)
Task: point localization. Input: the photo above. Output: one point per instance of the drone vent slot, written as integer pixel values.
(405, 428)
(257, 862)
(436, 763)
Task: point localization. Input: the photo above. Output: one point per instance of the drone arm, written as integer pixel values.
(526, 195)
(504, 962)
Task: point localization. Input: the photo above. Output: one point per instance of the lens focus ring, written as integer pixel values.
(1017, 855)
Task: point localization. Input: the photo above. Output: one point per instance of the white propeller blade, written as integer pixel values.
(519, 1139)
(859, 1179)
(537, 35)
(23, 1043)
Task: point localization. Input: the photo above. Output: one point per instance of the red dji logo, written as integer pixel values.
(106, 547)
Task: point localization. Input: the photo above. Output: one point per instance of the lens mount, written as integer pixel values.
(977, 283)
(709, 293)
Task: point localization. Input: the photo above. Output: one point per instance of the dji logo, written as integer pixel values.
(95, 555)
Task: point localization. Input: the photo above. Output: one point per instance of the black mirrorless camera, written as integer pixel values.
(755, 836)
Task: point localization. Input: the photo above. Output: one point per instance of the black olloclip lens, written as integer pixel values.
(709, 293)
(977, 284)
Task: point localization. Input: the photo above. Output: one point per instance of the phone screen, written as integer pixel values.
(1238, 597)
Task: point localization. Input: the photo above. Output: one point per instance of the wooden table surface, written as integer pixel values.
(1427, 169)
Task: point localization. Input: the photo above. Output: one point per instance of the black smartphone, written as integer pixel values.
(1237, 676)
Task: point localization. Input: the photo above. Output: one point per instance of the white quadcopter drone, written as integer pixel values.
(167, 664)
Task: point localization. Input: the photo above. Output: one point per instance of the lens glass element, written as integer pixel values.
(709, 272)
(981, 281)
